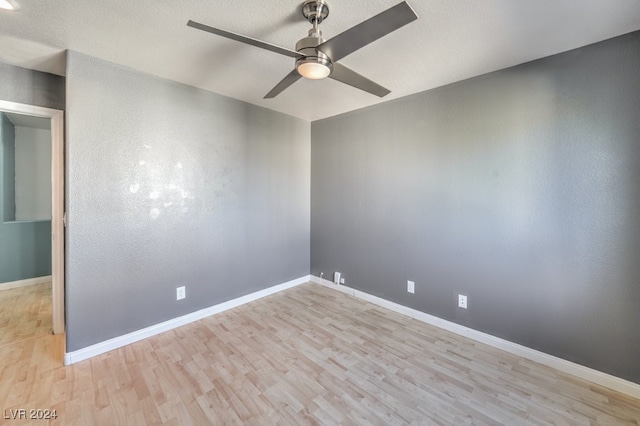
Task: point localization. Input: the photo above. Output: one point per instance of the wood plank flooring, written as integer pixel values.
(307, 355)
(25, 312)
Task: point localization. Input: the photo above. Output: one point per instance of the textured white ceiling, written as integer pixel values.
(452, 40)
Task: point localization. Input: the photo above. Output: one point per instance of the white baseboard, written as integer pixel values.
(127, 339)
(25, 283)
(603, 379)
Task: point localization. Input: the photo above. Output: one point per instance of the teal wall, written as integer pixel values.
(25, 247)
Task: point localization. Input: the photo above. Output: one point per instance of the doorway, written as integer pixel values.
(31, 210)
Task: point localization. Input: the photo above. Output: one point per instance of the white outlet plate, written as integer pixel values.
(181, 293)
(341, 280)
(462, 301)
(411, 287)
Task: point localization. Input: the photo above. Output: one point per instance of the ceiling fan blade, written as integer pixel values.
(368, 31)
(347, 76)
(244, 39)
(291, 78)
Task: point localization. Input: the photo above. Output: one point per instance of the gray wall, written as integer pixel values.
(25, 247)
(518, 188)
(168, 185)
(31, 87)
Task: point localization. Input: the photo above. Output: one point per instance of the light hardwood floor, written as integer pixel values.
(307, 355)
(25, 313)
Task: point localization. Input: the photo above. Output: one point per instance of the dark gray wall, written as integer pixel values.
(8, 164)
(25, 247)
(31, 87)
(518, 188)
(168, 185)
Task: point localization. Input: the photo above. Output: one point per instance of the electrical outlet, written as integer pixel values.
(411, 287)
(181, 293)
(341, 280)
(462, 301)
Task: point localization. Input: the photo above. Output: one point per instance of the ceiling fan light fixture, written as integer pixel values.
(314, 68)
(9, 5)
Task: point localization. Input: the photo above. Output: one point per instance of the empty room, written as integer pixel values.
(320, 212)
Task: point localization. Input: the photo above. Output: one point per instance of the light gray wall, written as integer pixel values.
(25, 247)
(168, 185)
(33, 174)
(519, 189)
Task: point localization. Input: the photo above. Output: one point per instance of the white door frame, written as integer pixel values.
(57, 201)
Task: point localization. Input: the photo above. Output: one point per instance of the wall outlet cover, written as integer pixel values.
(181, 293)
(411, 287)
(462, 301)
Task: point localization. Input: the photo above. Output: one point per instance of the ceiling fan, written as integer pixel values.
(317, 58)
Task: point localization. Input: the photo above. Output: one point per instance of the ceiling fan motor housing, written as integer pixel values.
(307, 48)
